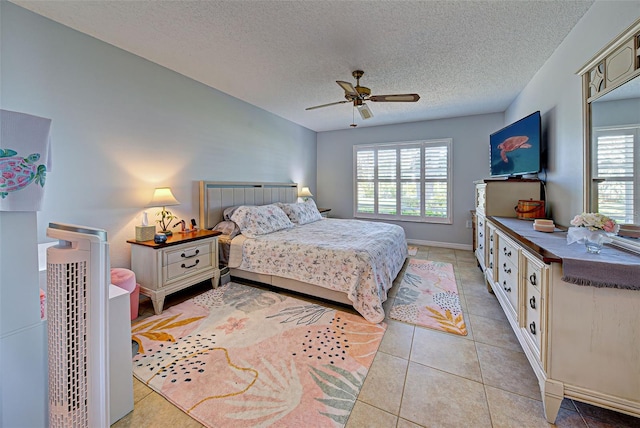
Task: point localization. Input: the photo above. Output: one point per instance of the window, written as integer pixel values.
(408, 181)
(615, 183)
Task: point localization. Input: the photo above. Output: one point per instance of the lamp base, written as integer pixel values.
(166, 232)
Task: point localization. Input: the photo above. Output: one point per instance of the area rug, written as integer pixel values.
(241, 356)
(428, 297)
(412, 250)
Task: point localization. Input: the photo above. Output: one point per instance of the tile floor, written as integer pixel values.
(426, 378)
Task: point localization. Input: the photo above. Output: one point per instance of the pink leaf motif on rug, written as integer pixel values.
(428, 297)
(258, 358)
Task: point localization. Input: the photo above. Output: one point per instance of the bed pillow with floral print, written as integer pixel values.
(260, 220)
(302, 213)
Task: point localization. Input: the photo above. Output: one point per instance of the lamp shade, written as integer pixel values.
(305, 192)
(162, 197)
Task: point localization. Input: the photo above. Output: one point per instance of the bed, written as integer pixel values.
(352, 262)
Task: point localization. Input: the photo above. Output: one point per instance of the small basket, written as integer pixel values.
(145, 233)
(530, 209)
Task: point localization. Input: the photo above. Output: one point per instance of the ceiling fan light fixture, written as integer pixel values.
(365, 112)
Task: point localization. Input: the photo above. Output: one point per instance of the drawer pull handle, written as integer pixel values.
(532, 279)
(183, 266)
(480, 246)
(507, 289)
(508, 254)
(490, 265)
(507, 270)
(532, 327)
(183, 255)
(481, 235)
(491, 238)
(532, 302)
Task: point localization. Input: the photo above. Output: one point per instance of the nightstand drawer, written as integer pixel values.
(188, 266)
(185, 253)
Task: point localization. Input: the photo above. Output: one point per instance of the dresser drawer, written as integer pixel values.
(506, 270)
(480, 232)
(185, 253)
(533, 321)
(188, 266)
(491, 247)
(507, 274)
(507, 250)
(534, 274)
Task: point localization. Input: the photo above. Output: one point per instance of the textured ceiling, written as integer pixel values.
(462, 57)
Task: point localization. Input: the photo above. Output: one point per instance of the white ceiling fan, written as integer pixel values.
(359, 94)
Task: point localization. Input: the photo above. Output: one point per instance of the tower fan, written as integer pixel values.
(77, 311)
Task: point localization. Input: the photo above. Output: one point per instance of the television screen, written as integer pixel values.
(516, 149)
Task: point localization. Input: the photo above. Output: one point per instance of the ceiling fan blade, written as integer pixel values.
(327, 105)
(398, 98)
(348, 88)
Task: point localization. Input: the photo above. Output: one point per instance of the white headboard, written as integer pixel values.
(215, 196)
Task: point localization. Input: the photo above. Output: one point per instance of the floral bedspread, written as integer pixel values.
(360, 258)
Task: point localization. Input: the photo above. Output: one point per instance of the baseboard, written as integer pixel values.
(451, 245)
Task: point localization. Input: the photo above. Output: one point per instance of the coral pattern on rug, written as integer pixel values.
(428, 297)
(241, 356)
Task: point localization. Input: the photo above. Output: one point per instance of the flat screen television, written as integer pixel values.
(516, 149)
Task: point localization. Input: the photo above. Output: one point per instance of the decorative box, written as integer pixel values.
(145, 233)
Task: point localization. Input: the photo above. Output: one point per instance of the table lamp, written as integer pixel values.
(305, 193)
(162, 197)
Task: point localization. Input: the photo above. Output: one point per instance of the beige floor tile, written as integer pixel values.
(438, 257)
(155, 411)
(463, 301)
(508, 370)
(494, 332)
(397, 339)
(484, 304)
(446, 352)
(515, 411)
(601, 417)
(467, 320)
(140, 390)
(384, 383)
(364, 415)
(403, 423)
(434, 398)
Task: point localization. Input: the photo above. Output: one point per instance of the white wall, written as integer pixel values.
(470, 162)
(556, 91)
(123, 125)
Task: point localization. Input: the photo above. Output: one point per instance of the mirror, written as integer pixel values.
(611, 105)
(615, 153)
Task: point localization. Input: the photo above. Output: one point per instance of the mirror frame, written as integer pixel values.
(613, 66)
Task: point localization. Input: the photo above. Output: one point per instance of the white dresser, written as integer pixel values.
(582, 342)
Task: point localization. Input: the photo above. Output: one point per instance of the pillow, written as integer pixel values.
(227, 227)
(260, 220)
(226, 214)
(302, 213)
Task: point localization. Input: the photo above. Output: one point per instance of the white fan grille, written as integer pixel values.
(67, 308)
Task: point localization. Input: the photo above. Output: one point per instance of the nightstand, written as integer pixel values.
(184, 260)
(324, 212)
